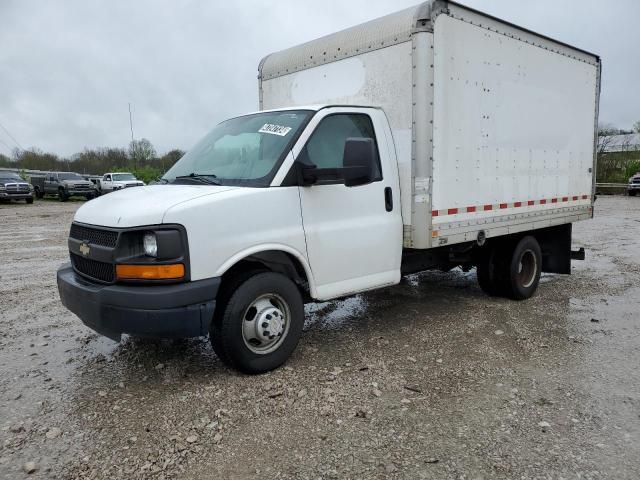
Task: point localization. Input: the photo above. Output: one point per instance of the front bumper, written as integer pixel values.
(161, 311)
(633, 186)
(15, 196)
(81, 192)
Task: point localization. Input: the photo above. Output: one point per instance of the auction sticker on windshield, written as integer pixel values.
(274, 129)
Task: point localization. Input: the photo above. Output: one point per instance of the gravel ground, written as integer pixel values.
(428, 379)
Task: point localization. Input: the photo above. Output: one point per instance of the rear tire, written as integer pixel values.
(524, 269)
(258, 328)
(491, 269)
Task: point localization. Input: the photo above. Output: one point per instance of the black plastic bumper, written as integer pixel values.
(164, 311)
(16, 196)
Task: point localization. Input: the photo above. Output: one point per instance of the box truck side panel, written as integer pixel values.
(513, 133)
(379, 78)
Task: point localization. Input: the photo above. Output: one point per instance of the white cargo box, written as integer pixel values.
(494, 126)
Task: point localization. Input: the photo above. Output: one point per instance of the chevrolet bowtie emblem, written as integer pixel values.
(85, 249)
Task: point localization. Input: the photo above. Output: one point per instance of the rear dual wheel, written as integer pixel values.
(258, 322)
(511, 269)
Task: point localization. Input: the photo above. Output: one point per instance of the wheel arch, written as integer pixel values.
(276, 258)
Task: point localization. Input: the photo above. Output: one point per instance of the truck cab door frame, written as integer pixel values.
(354, 240)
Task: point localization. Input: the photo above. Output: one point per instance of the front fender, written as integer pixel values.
(270, 247)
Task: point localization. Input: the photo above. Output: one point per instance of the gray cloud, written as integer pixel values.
(68, 69)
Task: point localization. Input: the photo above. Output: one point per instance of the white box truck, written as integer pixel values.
(434, 137)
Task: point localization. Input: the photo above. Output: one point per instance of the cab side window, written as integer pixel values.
(325, 147)
(107, 178)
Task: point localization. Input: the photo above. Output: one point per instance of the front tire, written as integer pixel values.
(29, 200)
(62, 195)
(259, 326)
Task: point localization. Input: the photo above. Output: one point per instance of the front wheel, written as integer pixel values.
(259, 326)
(62, 195)
(29, 200)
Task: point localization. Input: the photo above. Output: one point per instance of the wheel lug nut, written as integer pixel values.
(268, 317)
(266, 333)
(265, 324)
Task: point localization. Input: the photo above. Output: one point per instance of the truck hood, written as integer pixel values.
(132, 207)
(12, 182)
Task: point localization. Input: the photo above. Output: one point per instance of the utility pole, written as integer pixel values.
(132, 145)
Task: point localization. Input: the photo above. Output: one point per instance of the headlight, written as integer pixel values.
(150, 243)
(2, 187)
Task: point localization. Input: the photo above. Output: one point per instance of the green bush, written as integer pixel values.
(633, 167)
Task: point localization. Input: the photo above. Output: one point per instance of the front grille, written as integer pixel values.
(82, 187)
(105, 238)
(17, 188)
(636, 180)
(92, 268)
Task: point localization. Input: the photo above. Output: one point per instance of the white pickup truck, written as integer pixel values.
(431, 138)
(118, 180)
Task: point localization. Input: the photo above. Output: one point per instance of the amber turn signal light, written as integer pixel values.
(150, 272)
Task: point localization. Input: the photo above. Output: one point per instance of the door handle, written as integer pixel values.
(388, 199)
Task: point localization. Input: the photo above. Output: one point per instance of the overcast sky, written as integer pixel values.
(68, 69)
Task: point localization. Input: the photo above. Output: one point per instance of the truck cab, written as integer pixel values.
(13, 187)
(269, 210)
(116, 181)
(63, 185)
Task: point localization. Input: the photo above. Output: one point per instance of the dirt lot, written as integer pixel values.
(429, 379)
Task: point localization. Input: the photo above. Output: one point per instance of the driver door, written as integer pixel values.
(353, 234)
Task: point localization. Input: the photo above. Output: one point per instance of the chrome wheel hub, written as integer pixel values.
(270, 324)
(265, 323)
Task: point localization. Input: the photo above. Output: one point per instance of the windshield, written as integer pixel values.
(69, 176)
(243, 151)
(118, 177)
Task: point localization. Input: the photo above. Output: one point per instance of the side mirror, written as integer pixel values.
(359, 161)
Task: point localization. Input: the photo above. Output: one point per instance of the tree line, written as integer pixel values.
(619, 166)
(140, 159)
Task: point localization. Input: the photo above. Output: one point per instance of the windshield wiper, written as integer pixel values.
(208, 179)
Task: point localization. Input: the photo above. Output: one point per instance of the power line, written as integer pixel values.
(12, 137)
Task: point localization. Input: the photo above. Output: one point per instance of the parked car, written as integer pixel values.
(432, 138)
(13, 187)
(117, 181)
(634, 185)
(63, 185)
